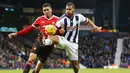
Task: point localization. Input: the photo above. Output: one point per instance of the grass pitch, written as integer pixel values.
(122, 70)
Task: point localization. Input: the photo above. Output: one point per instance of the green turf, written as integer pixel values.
(71, 71)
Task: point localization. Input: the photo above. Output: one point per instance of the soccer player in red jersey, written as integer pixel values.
(39, 51)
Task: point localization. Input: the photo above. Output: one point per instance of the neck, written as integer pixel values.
(48, 16)
(69, 16)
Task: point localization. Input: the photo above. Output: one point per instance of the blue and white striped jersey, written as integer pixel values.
(71, 26)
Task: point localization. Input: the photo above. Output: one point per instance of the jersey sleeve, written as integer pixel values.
(59, 23)
(30, 28)
(82, 18)
(36, 23)
(26, 30)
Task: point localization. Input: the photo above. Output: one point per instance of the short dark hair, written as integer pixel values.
(46, 5)
(70, 4)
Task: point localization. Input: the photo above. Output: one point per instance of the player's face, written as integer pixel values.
(69, 10)
(47, 11)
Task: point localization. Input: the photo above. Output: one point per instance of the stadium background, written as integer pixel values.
(96, 49)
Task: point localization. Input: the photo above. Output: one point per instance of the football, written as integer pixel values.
(50, 30)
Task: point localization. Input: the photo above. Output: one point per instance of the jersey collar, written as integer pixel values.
(49, 18)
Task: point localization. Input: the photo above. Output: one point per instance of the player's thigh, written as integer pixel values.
(45, 53)
(62, 43)
(36, 48)
(71, 48)
(72, 51)
(35, 51)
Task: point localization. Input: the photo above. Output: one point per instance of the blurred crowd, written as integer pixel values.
(10, 52)
(94, 52)
(14, 54)
(125, 57)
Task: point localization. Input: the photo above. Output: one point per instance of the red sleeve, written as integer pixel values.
(36, 22)
(26, 30)
(30, 28)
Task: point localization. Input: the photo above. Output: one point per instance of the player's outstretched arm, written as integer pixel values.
(11, 35)
(94, 26)
(22, 32)
(26, 30)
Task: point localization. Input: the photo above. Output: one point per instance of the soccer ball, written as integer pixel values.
(50, 30)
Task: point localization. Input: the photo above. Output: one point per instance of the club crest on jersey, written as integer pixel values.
(53, 23)
(43, 22)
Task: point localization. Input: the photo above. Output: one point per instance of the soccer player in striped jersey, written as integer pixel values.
(38, 50)
(69, 25)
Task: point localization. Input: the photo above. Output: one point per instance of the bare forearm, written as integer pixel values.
(91, 23)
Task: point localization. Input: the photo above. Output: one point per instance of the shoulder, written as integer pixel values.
(62, 17)
(40, 17)
(55, 16)
(79, 15)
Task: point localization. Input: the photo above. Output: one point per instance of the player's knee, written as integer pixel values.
(75, 66)
(42, 60)
(32, 57)
(48, 41)
(30, 62)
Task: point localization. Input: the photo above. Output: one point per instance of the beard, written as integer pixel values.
(69, 14)
(48, 15)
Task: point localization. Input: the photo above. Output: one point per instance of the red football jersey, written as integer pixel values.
(41, 22)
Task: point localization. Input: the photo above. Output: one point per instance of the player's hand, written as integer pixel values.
(98, 28)
(62, 31)
(11, 35)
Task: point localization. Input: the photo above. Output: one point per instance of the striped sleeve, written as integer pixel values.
(60, 22)
(83, 19)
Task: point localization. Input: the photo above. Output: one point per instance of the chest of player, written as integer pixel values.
(71, 25)
(46, 22)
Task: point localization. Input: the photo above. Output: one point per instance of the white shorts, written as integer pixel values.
(70, 48)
